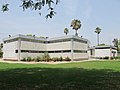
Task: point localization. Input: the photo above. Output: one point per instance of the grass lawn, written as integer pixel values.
(93, 75)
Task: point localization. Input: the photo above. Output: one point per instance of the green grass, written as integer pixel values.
(94, 75)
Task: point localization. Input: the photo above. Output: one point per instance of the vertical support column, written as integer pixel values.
(72, 49)
(110, 52)
(19, 49)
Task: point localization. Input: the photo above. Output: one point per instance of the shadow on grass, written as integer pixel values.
(59, 79)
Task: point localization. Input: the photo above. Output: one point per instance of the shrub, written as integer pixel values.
(106, 57)
(61, 58)
(54, 59)
(1, 54)
(117, 57)
(46, 57)
(38, 59)
(67, 59)
(29, 59)
(23, 59)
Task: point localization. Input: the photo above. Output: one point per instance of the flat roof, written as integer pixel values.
(103, 47)
(44, 39)
(24, 36)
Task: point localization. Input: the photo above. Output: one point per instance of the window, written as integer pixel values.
(80, 51)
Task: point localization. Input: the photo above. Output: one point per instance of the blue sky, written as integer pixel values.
(92, 13)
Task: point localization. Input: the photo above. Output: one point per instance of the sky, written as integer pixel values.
(92, 13)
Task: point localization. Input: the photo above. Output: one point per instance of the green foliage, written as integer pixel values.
(37, 5)
(102, 44)
(23, 59)
(67, 59)
(29, 35)
(66, 31)
(61, 58)
(97, 30)
(1, 45)
(29, 59)
(116, 43)
(116, 58)
(5, 7)
(54, 59)
(76, 24)
(38, 59)
(105, 57)
(93, 75)
(1, 54)
(46, 57)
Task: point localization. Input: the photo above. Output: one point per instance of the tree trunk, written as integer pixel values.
(76, 34)
(98, 39)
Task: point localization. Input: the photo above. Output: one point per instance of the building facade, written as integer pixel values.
(102, 51)
(21, 46)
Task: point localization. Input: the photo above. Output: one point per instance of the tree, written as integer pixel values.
(36, 5)
(66, 31)
(76, 24)
(98, 30)
(1, 45)
(116, 43)
(1, 53)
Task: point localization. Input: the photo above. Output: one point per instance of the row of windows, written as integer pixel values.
(58, 51)
(34, 51)
(80, 51)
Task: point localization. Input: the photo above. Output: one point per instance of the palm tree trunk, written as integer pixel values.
(76, 34)
(98, 39)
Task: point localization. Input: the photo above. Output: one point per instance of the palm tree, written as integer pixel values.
(98, 30)
(76, 24)
(66, 31)
(116, 43)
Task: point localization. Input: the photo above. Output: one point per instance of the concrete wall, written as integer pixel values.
(59, 46)
(80, 46)
(26, 45)
(102, 52)
(9, 50)
(78, 56)
(105, 52)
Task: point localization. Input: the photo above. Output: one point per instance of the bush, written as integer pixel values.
(29, 59)
(1, 54)
(46, 57)
(106, 57)
(38, 59)
(54, 59)
(67, 59)
(61, 58)
(23, 59)
(117, 57)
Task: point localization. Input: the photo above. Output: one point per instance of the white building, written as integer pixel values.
(102, 51)
(20, 46)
